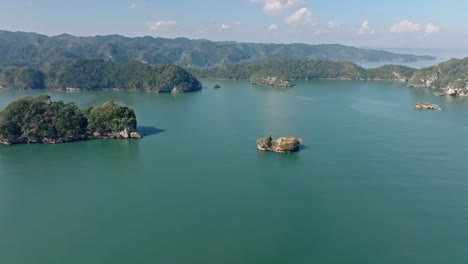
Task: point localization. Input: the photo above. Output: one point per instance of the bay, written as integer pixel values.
(377, 181)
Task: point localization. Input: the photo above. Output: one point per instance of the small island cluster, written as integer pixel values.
(280, 145)
(39, 120)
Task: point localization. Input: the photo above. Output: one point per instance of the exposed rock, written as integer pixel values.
(175, 90)
(399, 77)
(427, 106)
(432, 79)
(136, 134)
(280, 145)
(451, 91)
(123, 134)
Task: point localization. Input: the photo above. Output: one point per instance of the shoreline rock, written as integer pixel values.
(88, 136)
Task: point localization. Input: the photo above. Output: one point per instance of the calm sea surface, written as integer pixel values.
(377, 181)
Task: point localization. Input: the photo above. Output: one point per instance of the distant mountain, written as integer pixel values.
(34, 50)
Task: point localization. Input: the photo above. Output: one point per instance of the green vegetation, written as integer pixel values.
(289, 146)
(280, 145)
(21, 49)
(391, 72)
(111, 118)
(39, 120)
(286, 68)
(292, 69)
(99, 74)
(21, 78)
(452, 73)
(267, 142)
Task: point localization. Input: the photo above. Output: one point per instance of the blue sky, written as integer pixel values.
(397, 23)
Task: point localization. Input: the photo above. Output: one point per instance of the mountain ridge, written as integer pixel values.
(35, 50)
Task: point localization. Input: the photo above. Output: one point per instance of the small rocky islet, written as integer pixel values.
(280, 145)
(427, 106)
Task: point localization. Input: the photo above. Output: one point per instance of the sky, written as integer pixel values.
(362, 23)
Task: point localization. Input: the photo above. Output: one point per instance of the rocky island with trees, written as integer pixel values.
(280, 145)
(40, 120)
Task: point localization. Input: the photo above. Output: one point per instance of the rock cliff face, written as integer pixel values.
(451, 91)
(280, 145)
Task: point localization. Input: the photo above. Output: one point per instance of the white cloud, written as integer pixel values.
(133, 5)
(301, 17)
(224, 27)
(404, 26)
(162, 25)
(431, 28)
(237, 23)
(364, 28)
(273, 27)
(278, 6)
(333, 25)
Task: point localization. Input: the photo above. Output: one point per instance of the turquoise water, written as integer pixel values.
(377, 181)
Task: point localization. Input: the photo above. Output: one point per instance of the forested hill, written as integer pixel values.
(34, 50)
(452, 73)
(305, 70)
(96, 74)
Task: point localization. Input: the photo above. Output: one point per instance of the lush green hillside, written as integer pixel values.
(452, 73)
(391, 72)
(34, 50)
(39, 120)
(21, 78)
(99, 74)
(304, 70)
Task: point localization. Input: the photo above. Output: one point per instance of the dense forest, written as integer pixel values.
(21, 78)
(304, 70)
(95, 74)
(21, 49)
(39, 120)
